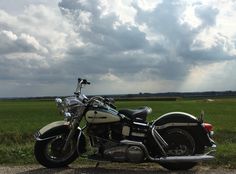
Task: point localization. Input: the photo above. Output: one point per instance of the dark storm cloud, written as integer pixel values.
(178, 56)
(100, 29)
(121, 44)
(108, 44)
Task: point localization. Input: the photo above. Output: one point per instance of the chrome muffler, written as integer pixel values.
(170, 159)
(174, 159)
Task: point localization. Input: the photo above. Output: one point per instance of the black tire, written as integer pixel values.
(58, 158)
(179, 138)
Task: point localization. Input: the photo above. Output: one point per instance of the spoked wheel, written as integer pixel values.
(181, 143)
(50, 153)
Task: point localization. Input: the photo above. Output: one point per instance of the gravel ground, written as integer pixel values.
(37, 169)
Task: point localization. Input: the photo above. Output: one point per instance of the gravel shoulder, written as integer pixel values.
(75, 169)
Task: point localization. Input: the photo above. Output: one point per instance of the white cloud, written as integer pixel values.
(148, 5)
(215, 76)
(10, 35)
(110, 77)
(126, 46)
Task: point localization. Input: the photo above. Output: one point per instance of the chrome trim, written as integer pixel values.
(140, 144)
(158, 137)
(78, 138)
(210, 150)
(43, 139)
(140, 124)
(211, 133)
(173, 113)
(159, 140)
(138, 134)
(60, 105)
(58, 100)
(175, 124)
(67, 115)
(213, 146)
(149, 110)
(196, 158)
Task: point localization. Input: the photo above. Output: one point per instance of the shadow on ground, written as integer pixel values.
(101, 170)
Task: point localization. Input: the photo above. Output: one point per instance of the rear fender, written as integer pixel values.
(54, 129)
(184, 120)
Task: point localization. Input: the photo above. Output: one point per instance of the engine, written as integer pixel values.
(107, 137)
(132, 154)
(110, 132)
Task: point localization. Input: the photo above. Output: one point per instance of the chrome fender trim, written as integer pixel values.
(43, 139)
(175, 125)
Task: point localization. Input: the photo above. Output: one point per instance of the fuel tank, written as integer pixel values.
(96, 115)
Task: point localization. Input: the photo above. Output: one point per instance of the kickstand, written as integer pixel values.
(97, 164)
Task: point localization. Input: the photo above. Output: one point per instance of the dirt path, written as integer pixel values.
(36, 169)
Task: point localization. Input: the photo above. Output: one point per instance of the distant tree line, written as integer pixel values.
(170, 96)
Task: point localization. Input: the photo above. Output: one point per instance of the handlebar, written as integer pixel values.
(104, 100)
(80, 84)
(83, 81)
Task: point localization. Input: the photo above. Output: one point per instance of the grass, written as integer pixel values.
(20, 119)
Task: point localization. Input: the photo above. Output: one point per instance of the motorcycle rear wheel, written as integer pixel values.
(49, 153)
(181, 143)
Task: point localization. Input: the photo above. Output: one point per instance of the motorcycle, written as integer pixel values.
(175, 140)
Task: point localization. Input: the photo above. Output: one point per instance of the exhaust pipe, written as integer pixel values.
(173, 159)
(170, 159)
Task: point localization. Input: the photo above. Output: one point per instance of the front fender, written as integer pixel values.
(187, 121)
(51, 130)
(54, 129)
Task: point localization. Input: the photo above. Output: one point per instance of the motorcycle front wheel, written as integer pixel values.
(50, 153)
(181, 143)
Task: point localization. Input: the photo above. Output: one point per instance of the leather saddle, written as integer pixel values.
(139, 114)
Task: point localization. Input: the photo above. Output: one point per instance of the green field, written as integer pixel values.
(20, 119)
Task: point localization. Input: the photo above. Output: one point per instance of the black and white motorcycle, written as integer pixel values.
(176, 140)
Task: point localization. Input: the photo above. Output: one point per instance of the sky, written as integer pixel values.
(119, 46)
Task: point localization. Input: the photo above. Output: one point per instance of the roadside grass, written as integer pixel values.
(17, 154)
(20, 119)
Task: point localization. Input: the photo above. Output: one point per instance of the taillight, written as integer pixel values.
(208, 127)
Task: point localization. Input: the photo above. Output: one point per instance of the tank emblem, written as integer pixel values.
(95, 117)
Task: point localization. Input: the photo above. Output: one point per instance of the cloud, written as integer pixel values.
(10, 42)
(202, 78)
(128, 47)
(32, 46)
(207, 15)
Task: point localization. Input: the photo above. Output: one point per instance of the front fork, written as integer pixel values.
(73, 127)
